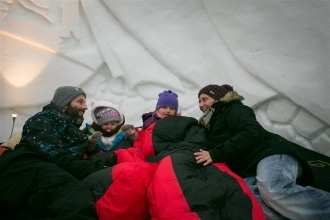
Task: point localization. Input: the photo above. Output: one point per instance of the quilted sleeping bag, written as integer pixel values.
(158, 178)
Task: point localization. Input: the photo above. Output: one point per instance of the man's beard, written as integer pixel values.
(73, 112)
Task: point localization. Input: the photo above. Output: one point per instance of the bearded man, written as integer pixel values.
(41, 177)
(54, 133)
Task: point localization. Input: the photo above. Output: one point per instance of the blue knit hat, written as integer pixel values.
(167, 98)
(65, 94)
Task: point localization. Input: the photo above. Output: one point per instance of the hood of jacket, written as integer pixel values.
(97, 104)
(230, 96)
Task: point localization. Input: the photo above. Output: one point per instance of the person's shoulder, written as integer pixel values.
(237, 108)
(238, 105)
(49, 113)
(147, 115)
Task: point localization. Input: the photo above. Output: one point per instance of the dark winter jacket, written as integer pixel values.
(57, 136)
(236, 137)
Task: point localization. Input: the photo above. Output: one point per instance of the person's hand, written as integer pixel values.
(93, 140)
(95, 137)
(203, 157)
(129, 132)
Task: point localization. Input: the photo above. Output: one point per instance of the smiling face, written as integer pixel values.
(205, 102)
(166, 111)
(77, 107)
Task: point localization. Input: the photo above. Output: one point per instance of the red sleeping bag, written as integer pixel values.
(159, 179)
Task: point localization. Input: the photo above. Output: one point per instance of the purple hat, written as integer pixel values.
(167, 98)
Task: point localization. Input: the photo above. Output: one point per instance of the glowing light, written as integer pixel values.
(25, 60)
(12, 128)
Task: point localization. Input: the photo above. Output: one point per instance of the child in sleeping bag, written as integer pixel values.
(167, 105)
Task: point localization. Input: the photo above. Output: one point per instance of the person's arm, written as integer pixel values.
(246, 132)
(46, 135)
(130, 131)
(81, 168)
(93, 139)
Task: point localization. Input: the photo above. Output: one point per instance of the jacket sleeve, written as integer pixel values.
(50, 137)
(245, 133)
(80, 168)
(49, 134)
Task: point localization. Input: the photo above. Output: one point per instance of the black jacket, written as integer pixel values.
(33, 188)
(236, 137)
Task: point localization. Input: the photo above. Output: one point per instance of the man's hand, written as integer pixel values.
(203, 157)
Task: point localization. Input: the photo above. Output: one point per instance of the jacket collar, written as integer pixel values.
(76, 121)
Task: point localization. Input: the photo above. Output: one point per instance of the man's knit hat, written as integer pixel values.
(167, 98)
(104, 112)
(215, 91)
(65, 94)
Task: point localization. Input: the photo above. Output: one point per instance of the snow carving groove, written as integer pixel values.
(97, 45)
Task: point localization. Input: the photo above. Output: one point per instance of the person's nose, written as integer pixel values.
(201, 106)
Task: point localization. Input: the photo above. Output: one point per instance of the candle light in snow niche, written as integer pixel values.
(14, 116)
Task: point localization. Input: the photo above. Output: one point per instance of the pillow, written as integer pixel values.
(14, 140)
